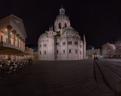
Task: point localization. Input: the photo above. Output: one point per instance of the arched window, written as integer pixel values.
(57, 43)
(45, 52)
(76, 51)
(9, 27)
(45, 45)
(65, 25)
(69, 42)
(64, 43)
(64, 51)
(1, 38)
(76, 43)
(69, 50)
(59, 25)
(57, 51)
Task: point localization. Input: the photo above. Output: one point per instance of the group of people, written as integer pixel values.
(13, 66)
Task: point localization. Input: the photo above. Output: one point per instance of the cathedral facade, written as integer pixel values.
(62, 41)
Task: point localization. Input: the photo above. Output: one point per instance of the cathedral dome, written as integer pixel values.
(62, 18)
(43, 36)
(109, 46)
(62, 41)
(62, 15)
(62, 21)
(70, 32)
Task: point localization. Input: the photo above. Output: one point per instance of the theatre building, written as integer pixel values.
(12, 36)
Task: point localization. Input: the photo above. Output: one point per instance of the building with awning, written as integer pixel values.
(12, 36)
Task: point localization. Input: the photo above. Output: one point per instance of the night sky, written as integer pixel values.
(99, 21)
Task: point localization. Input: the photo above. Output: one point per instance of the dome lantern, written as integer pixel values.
(62, 21)
(62, 11)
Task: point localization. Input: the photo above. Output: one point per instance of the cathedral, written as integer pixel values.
(62, 41)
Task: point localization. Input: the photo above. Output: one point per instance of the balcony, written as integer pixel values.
(7, 48)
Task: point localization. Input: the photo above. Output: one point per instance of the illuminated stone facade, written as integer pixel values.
(91, 52)
(61, 42)
(12, 33)
(29, 52)
(112, 50)
(108, 50)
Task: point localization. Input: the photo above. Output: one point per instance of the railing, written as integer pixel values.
(3, 44)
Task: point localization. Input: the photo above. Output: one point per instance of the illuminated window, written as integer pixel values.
(1, 38)
(9, 27)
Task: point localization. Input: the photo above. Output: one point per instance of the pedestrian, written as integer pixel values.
(30, 61)
(95, 57)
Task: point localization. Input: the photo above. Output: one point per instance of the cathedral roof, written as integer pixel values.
(62, 17)
(109, 46)
(43, 36)
(70, 32)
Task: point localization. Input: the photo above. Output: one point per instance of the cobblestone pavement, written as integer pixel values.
(65, 78)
